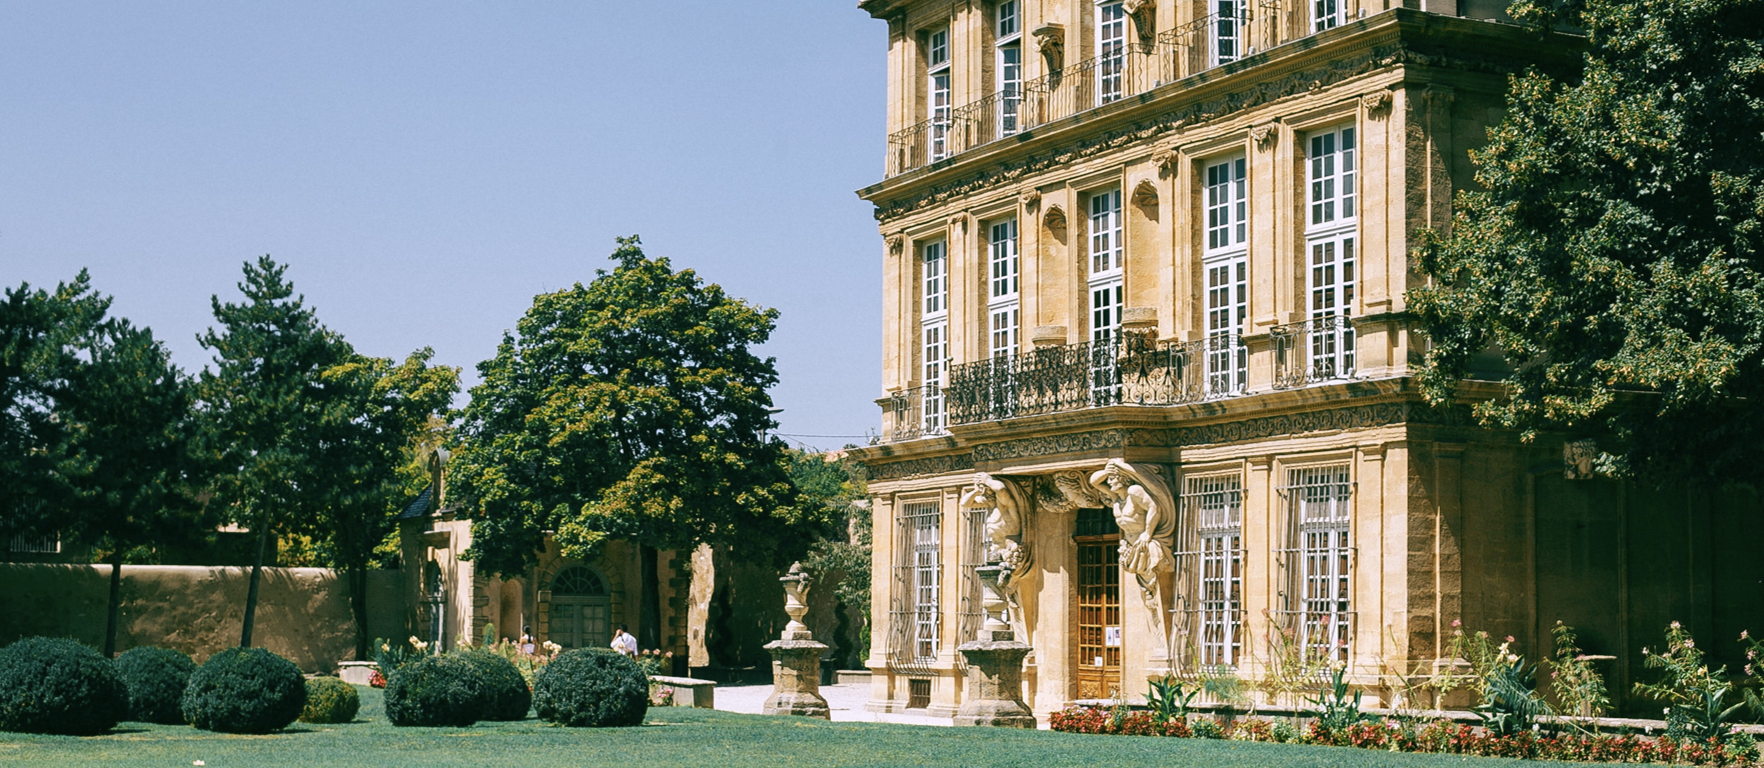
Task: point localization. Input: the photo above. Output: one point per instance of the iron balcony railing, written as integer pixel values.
(1133, 369)
(1318, 350)
(913, 413)
(1234, 29)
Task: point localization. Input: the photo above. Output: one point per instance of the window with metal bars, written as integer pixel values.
(49, 544)
(1215, 504)
(1320, 558)
(918, 575)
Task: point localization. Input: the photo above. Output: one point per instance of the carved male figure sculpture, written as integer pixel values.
(1146, 514)
(1005, 506)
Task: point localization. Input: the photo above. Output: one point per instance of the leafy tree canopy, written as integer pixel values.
(1612, 252)
(38, 359)
(632, 407)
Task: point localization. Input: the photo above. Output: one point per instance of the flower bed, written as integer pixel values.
(1437, 737)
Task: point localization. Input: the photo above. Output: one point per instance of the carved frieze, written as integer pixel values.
(880, 469)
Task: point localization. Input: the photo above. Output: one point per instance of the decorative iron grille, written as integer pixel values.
(1130, 370)
(914, 620)
(1318, 560)
(1315, 351)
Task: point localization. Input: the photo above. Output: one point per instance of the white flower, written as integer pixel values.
(1690, 643)
(1675, 625)
(1745, 633)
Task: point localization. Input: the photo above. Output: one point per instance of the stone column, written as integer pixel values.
(995, 665)
(796, 683)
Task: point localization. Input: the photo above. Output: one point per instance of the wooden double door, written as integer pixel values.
(1099, 646)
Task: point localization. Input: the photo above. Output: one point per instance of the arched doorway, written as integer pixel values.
(580, 608)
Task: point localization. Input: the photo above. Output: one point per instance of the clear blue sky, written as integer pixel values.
(425, 168)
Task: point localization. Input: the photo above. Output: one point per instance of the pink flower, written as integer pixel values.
(1457, 622)
(1509, 638)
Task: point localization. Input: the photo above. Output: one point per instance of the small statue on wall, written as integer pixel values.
(1146, 514)
(1006, 507)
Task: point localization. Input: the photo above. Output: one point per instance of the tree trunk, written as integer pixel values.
(358, 578)
(263, 533)
(649, 619)
(115, 603)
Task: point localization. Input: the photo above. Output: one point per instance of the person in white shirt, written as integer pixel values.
(624, 642)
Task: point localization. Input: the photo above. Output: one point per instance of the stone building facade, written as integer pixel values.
(1144, 277)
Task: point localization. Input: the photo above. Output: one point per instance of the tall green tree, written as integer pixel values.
(266, 402)
(125, 472)
(1612, 251)
(632, 407)
(38, 330)
(372, 417)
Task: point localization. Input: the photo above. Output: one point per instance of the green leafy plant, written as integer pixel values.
(392, 658)
(1510, 704)
(55, 685)
(1579, 688)
(436, 691)
(1170, 698)
(1696, 696)
(155, 678)
(1208, 728)
(244, 690)
(593, 687)
(1334, 707)
(330, 700)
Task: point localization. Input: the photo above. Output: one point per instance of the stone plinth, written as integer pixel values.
(796, 681)
(994, 693)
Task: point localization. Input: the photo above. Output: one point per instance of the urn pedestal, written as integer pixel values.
(796, 686)
(995, 665)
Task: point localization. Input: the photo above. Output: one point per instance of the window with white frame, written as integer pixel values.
(1332, 175)
(1003, 300)
(934, 332)
(937, 94)
(1226, 270)
(923, 524)
(1327, 14)
(1320, 500)
(1216, 502)
(1009, 43)
(1111, 51)
(1107, 255)
(1230, 21)
(1330, 256)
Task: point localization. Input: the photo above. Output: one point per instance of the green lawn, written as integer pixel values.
(671, 737)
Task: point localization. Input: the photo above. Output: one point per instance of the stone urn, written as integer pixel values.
(796, 678)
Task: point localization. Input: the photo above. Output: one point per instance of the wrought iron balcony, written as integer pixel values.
(1313, 351)
(1133, 369)
(913, 413)
(1237, 29)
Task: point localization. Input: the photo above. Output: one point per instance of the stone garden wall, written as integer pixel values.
(302, 614)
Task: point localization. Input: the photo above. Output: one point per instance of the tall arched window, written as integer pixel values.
(580, 608)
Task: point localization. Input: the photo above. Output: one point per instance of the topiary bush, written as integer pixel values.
(54, 685)
(436, 690)
(506, 696)
(155, 678)
(330, 700)
(244, 690)
(594, 687)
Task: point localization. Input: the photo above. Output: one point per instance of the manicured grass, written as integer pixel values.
(672, 737)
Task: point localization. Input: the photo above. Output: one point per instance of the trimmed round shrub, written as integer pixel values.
(54, 685)
(595, 687)
(506, 696)
(244, 690)
(155, 678)
(434, 691)
(330, 700)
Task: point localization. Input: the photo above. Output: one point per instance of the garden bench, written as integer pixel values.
(689, 691)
